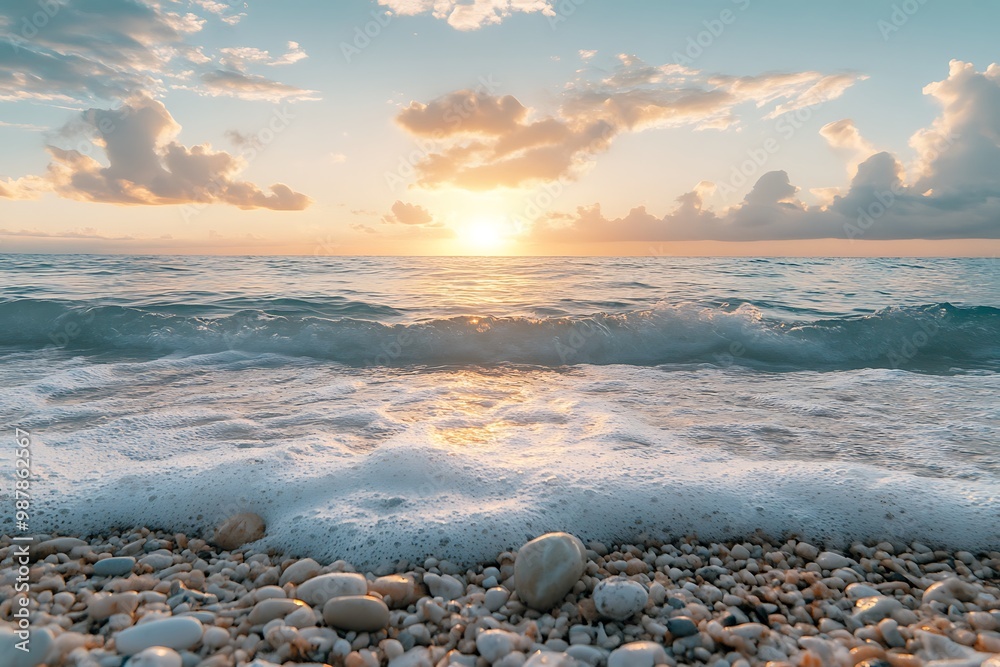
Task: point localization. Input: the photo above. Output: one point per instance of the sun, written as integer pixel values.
(485, 234)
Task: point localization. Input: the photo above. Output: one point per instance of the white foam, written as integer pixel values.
(376, 466)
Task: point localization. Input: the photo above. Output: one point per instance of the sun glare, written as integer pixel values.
(485, 234)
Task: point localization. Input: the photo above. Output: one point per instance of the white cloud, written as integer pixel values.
(408, 214)
(489, 141)
(953, 192)
(844, 137)
(233, 83)
(146, 165)
(469, 14)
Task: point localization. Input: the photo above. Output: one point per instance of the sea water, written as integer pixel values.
(374, 409)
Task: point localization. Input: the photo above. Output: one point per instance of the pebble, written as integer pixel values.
(547, 568)
(858, 591)
(360, 613)
(550, 659)
(638, 654)
(715, 605)
(59, 545)
(833, 561)
(177, 633)
(38, 649)
(317, 590)
(620, 599)
(806, 551)
(104, 605)
(266, 611)
(889, 629)
(444, 586)
(495, 644)
(681, 626)
(873, 609)
(114, 567)
(739, 552)
(496, 598)
(399, 591)
(156, 656)
(239, 530)
(299, 571)
(949, 591)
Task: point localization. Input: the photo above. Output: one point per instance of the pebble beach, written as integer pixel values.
(143, 598)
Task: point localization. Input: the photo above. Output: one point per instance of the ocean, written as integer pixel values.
(376, 409)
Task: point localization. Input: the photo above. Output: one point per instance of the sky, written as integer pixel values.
(538, 127)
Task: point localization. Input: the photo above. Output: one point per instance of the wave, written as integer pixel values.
(932, 337)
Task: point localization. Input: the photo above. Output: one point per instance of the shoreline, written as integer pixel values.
(554, 601)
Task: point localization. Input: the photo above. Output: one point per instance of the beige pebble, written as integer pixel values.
(300, 571)
(399, 591)
(266, 611)
(546, 569)
(361, 613)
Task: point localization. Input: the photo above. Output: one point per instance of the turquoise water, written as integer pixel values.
(394, 407)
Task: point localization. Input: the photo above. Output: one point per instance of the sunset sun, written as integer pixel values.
(485, 234)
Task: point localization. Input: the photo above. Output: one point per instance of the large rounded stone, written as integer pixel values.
(318, 590)
(546, 569)
(620, 599)
(238, 530)
(361, 613)
(114, 567)
(180, 633)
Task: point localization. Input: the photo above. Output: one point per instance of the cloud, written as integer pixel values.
(240, 56)
(487, 141)
(959, 154)
(232, 83)
(294, 54)
(844, 137)
(28, 187)
(24, 126)
(221, 10)
(469, 14)
(101, 48)
(86, 233)
(147, 166)
(953, 191)
(113, 49)
(408, 214)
